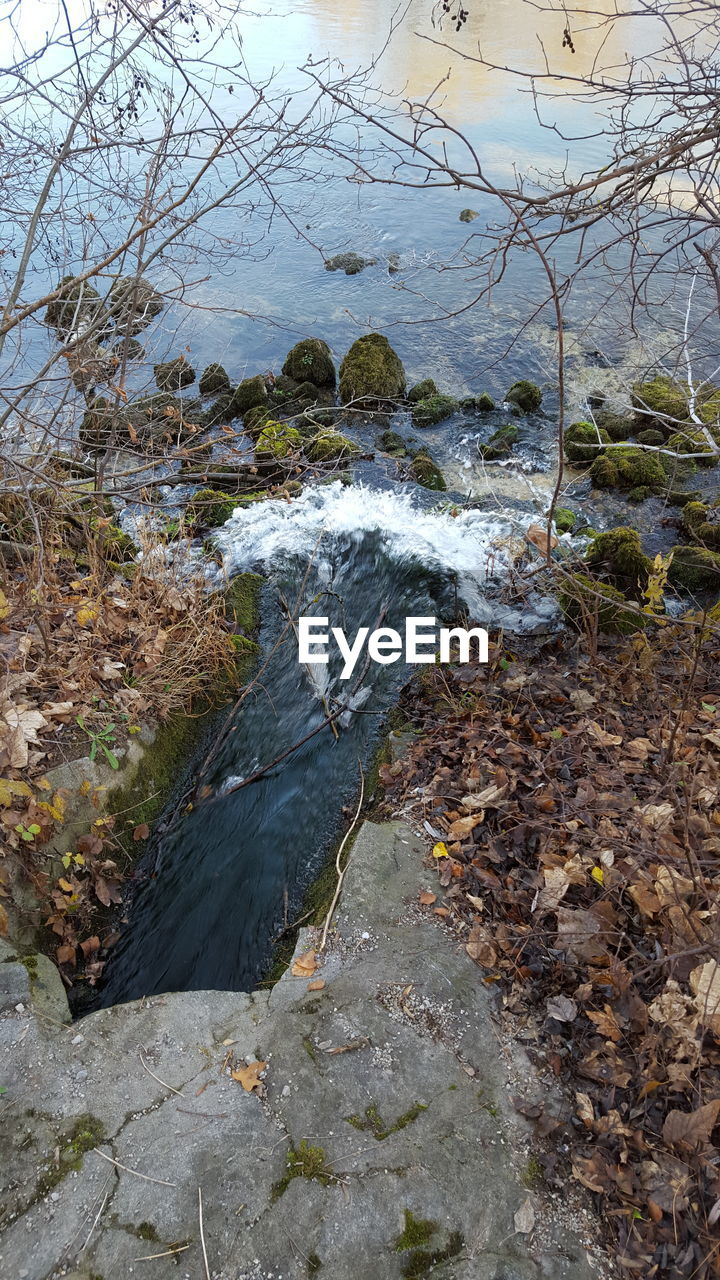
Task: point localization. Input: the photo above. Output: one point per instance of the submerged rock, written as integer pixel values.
(526, 395)
(433, 409)
(627, 468)
(328, 446)
(619, 554)
(468, 215)
(351, 263)
(172, 375)
(583, 441)
(134, 303)
(422, 391)
(427, 472)
(309, 361)
(213, 379)
(500, 443)
(371, 371)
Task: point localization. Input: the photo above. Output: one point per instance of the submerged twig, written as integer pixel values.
(338, 862)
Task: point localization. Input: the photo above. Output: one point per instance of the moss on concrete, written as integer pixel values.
(304, 1161)
(417, 1231)
(87, 1132)
(373, 1122)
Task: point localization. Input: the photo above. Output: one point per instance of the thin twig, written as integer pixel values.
(202, 1234)
(148, 1257)
(164, 1083)
(338, 864)
(145, 1177)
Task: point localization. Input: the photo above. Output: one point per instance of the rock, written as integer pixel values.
(248, 394)
(351, 263)
(617, 425)
(134, 303)
(500, 443)
(650, 436)
(693, 440)
(278, 440)
(14, 985)
(393, 443)
(660, 402)
(77, 307)
(328, 446)
(583, 441)
(422, 391)
(433, 409)
(174, 374)
(427, 472)
(393, 263)
(371, 371)
(619, 555)
(585, 601)
(695, 568)
(702, 524)
(209, 508)
(213, 379)
(469, 215)
(129, 349)
(484, 403)
(565, 520)
(309, 361)
(526, 395)
(624, 467)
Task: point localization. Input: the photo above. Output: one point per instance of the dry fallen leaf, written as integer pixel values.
(249, 1076)
(304, 966)
(691, 1128)
(524, 1218)
(317, 985)
(562, 1008)
(705, 986)
(538, 536)
(427, 899)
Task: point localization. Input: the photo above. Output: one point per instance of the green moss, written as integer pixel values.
(426, 472)
(303, 1162)
(422, 391)
(468, 215)
(422, 1261)
(209, 508)
(583, 441)
(213, 379)
(314, 1263)
(174, 374)
(565, 519)
(484, 403)
(618, 426)
(702, 523)
(328, 446)
(627, 468)
(278, 440)
(249, 393)
(310, 361)
(86, 1133)
(650, 437)
(580, 603)
(417, 1231)
(76, 302)
(692, 440)
(695, 568)
(371, 371)
(618, 553)
(500, 443)
(146, 1231)
(115, 543)
(526, 395)
(242, 600)
(373, 1122)
(533, 1174)
(433, 409)
(393, 443)
(660, 401)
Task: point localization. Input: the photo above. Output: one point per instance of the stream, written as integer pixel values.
(233, 871)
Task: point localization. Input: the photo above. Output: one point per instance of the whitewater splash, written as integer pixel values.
(477, 550)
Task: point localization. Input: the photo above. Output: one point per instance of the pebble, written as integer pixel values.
(55, 1195)
(286, 1092)
(77, 1039)
(20, 1008)
(81, 1075)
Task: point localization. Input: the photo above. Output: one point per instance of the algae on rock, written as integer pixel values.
(527, 396)
(618, 553)
(371, 371)
(310, 361)
(625, 467)
(433, 409)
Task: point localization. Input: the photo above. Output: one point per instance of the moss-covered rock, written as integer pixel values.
(527, 396)
(242, 601)
(619, 555)
(278, 440)
(565, 519)
(249, 393)
(484, 403)
(427, 472)
(468, 215)
(114, 542)
(692, 439)
(372, 371)
(660, 402)
(351, 263)
(695, 568)
(583, 600)
(134, 303)
(422, 391)
(625, 467)
(310, 361)
(172, 375)
(619, 426)
(500, 443)
(128, 349)
(433, 409)
(209, 508)
(393, 443)
(329, 446)
(702, 523)
(77, 304)
(583, 441)
(651, 437)
(213, 379)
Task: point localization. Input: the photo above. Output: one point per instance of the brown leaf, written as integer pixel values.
(691, 1128)
(427, 899)
(605, 1022)
(249, 1077)
(4, 924)
(705, 985)
(142, 832)
(463, 827)
(89, 945)
(538, 536)
(480, 947)
(304, 966)
(317, 985)
(65, 954)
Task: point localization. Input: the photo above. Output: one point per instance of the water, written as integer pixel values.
(230, 873)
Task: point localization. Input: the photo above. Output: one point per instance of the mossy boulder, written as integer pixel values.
(351, 263)
(372, 371)
(278, 440)
(692, 439)
(500, 443)
(619, 426)
(468, 215)
(625, 467)
(209, 508)
(619, 555)
(427, 472)
(584, 601)
(172, 375)
(484, 403)
(78, 304)
(249, 393)
(134, 303)
(527, 396)
(660, 402)
(328, 446)
(422, 391)
(702, 524)
(310, 361)
(695, 568)
(213, 379)
(433, 409)
(583, 441)
(128, 349)
(115, 544)
(391, 442)
(565, 519)
(651, 437)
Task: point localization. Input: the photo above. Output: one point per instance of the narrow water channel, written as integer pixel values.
(230, 871)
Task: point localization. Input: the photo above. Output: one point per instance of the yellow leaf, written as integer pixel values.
(4, 607)
(86, 615)
(4, 923)
(304, 966)
(598, 874)
(9, 789)
(440, 850)
(249, 1076)
(65, 886)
